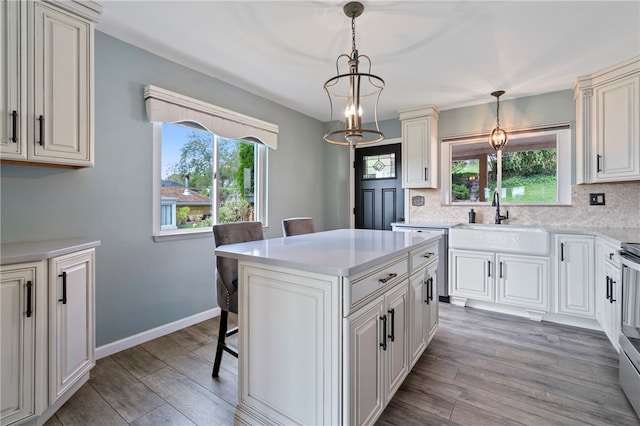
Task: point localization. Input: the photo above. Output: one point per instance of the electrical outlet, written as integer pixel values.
(596, 199)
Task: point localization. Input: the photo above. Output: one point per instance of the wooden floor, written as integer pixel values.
(481, 368)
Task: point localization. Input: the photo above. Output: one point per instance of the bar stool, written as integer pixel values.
(297, 226)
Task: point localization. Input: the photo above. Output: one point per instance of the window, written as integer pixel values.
(379, 166)
(199, 177)
(534, 168)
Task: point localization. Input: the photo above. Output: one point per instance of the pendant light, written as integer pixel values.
(354, 92)
(498, 138)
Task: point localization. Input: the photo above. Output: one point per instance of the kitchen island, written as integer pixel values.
(331, 323)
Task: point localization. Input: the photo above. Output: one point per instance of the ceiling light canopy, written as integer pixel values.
(354, 92)
(498, 138)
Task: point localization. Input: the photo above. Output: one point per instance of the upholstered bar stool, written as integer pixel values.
(227, 279)
(297, 226)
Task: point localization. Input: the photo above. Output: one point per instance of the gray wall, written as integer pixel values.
(141, 284)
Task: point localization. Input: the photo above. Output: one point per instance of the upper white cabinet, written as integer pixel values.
(608, 124)
(420, 154)
(47, 77)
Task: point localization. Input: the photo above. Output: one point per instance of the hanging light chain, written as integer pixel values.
(498, 112)
(353, 33)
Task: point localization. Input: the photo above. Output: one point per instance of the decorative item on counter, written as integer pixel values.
(472, 216)
(417, 200)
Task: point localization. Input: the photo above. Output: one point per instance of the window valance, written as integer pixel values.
(165, 106)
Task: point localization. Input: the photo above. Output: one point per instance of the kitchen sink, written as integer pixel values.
(522, 239)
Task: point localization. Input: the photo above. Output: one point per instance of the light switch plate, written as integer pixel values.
(596, 199)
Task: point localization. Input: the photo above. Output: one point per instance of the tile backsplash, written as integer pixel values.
(622, 209)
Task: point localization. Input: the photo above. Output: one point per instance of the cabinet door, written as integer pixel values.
(617, 132)
(575, 263)
(63, 84)
(365, 357)
(397, 359)
(418, 326)
(71, 320)
(13, 91)
(471, 274)
(611, 318)
(523, 281)
(18, 287)
(420, 152)
(431, 301)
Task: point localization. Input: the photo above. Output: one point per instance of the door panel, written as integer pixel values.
(379, 195)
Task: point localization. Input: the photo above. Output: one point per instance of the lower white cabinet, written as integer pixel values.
(608, 289)
(423, 298)
(47, 332)
(574, 259)
(377, 353)
(510, 279)
(23, 313)
(71, 320)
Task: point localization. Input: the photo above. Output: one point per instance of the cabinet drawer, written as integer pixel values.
(610, 253)
(423, 256)
(358, 288)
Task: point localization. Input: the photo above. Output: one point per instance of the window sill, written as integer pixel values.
(181, 234)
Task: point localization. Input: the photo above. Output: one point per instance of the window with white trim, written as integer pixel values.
(200, 177)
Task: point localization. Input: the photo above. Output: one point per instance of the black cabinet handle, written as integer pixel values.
(561, 252)
(64, 288)
(608, 288)
(500, 269)
(611, 299)
(391, 276)
(427, 255)
(425, 174)
(384, 332)
(41, 120)
(29, 307)
(14, 125)
(598, 158)
(392, 336)
(611, 256)
(489, 269)
(426, 297)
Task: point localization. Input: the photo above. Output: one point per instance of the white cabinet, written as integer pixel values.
(607, 290)
(508, 279)
(574, 260)
(523, 281)
(423, 299)
(378, 353)
(48, 78)
(23, 313)
(471, 275)
(47, 329)
(71, 320)
(420, 154)
(608, 124)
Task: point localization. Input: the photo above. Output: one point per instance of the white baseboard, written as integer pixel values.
(154, 333)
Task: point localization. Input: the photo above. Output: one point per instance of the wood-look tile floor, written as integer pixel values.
(481, 368)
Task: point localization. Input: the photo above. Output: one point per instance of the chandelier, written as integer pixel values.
(348, 90)
(498, 138)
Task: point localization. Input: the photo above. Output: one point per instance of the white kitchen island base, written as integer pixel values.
(328, 323)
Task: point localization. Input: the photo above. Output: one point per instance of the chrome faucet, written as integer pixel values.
(496, 204)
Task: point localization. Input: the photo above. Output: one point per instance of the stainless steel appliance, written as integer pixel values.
(630, 333)
(443, 249)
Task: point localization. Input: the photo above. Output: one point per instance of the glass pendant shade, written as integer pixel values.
(498, 138)
(354, 93)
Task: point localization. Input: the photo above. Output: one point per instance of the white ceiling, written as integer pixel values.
(446, 53)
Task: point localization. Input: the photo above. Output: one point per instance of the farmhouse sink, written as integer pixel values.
(521, 239)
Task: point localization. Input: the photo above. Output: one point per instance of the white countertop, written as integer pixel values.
(34, 251)
(342, 252)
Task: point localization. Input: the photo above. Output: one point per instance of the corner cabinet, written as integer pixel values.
(420, 153)
(47, 78)
(47, 330)
(608, 124)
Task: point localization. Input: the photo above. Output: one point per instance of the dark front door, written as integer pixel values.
(379, 194)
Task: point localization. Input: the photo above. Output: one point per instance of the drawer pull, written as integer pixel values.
(390, 277)
(428, 255)
(610, 256)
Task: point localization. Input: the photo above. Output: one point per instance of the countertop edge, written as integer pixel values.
(35, 251)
